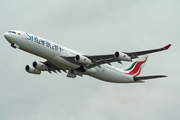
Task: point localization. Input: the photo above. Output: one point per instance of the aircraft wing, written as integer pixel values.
(102, 59)
(52, 67)
(97, 60)
(136, 54)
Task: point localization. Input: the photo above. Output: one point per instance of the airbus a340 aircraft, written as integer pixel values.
(59, 58)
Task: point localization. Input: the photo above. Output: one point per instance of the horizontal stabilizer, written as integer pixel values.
(148, 77)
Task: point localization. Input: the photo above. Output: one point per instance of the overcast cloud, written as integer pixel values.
(91, 27)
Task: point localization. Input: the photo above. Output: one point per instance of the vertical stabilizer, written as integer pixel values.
(136, 66)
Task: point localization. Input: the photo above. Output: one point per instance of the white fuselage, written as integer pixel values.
(55, 53)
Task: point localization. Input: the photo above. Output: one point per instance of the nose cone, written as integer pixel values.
(8, 37)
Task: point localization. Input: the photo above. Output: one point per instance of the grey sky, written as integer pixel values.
(91, 27)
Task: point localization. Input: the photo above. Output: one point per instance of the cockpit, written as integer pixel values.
(11, 32)
(13, 36)
(17, 33)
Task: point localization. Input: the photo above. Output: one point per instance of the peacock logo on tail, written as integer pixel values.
(135, 68)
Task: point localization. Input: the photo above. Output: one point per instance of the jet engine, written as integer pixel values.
(122, 56)
(40, 66)
(82, 59)
(32, 70)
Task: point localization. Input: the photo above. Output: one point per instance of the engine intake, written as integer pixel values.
(122, 56)
(32, 70)
(82, 59)
(40, 66)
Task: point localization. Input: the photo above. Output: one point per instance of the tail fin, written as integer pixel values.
(136, 66)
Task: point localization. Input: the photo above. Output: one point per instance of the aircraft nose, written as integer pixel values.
(6, 35)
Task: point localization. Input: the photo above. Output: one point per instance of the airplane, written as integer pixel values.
(59, 58)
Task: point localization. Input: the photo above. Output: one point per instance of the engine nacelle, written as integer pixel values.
(32, 70)
(82, 59)
(40, 66)
(122, 56)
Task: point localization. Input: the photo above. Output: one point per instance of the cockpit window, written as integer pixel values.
(12, 32)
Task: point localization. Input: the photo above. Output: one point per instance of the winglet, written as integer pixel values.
(167, 47)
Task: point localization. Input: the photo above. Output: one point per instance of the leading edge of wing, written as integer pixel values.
(136, 54)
